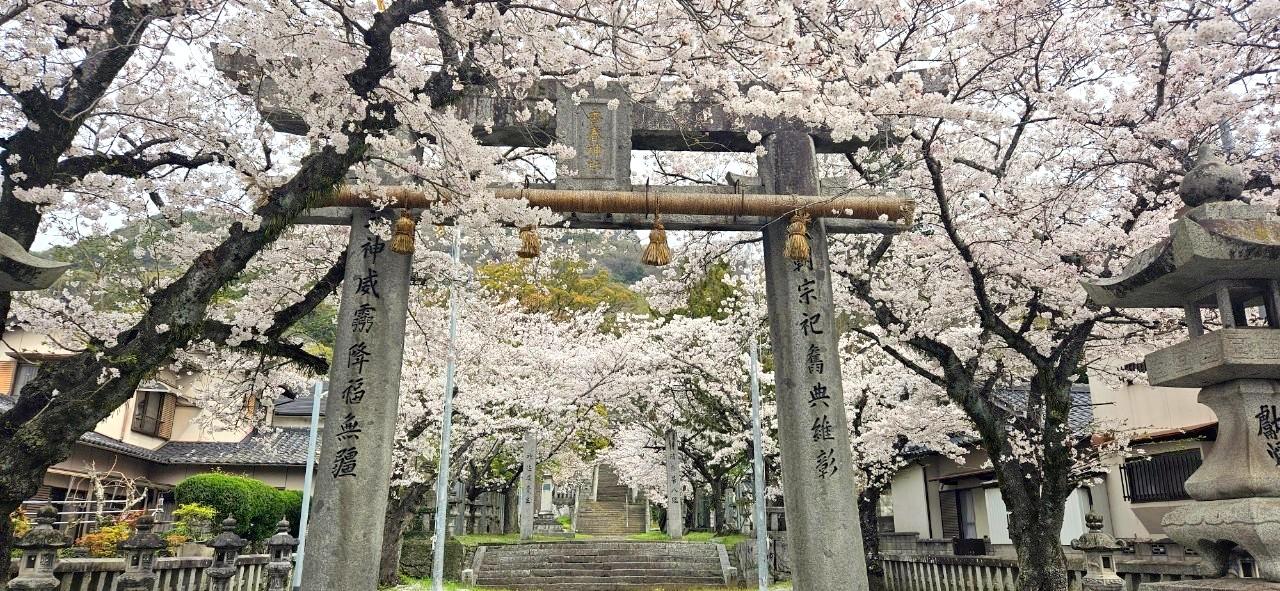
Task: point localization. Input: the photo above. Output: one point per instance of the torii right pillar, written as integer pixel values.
(824, 537)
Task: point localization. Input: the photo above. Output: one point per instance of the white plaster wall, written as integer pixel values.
(1076, 507)
(997, 517)
(1144, 408)
(909, 501)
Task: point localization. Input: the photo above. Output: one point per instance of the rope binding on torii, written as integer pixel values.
(894, 211)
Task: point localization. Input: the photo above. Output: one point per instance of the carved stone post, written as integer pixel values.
(139, 557)
(825, 537)
(675, 488)
(280, 547)
(39, 549)
(528, 478)
(353, 478)
(226, 549)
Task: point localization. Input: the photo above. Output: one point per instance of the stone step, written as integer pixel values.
(615, 565)
(629, 584)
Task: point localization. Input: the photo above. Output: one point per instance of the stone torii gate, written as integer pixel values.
(825, 541)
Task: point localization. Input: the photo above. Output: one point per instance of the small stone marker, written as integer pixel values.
(824, 535)
(354, 473)
(675, 488)
(528, 476)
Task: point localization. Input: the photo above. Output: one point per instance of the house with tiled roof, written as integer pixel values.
(156, 439)
(957, 505)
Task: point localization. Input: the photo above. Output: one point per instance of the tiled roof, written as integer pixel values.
(279, 447)
(297, 407)
(1079, 418)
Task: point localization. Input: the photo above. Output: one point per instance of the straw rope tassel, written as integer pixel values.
(402, 239)
(657, 253)
(530, 244)
(381, 6)
(797, 246)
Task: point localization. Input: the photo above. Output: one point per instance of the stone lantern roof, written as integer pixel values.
(227, 538)
(143, 538)
(1095, 540)
(1217, 241)
(43, 535)
(282, 537)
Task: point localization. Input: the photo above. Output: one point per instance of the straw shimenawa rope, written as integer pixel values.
(402, 239)
(530, 243)
(797, 246)
(657, 253)
(865, 207)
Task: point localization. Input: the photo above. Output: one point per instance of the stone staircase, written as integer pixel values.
(600, 566)
(610, 514)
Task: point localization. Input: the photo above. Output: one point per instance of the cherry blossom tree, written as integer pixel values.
(1070, 128)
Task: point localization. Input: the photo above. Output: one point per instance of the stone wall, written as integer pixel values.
(416, 558)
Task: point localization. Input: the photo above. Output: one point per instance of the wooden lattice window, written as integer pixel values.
(153, 413)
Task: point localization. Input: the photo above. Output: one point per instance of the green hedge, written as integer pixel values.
(256, 506)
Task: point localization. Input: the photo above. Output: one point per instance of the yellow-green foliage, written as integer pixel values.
(105, 543)
(560, 289)
(20, 524)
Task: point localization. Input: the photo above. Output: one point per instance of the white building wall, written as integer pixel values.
(910, 504)
(997, 517)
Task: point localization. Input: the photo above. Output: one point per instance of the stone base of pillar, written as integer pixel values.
(1213, 528)
(1212, 585)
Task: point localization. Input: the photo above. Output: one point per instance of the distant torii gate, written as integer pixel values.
(825, 541)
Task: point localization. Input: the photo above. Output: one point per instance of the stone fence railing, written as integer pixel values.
(940, 572)
(172, 574)
(914, 564)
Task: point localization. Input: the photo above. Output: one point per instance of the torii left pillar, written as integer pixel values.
(354, 473)
(824, 537)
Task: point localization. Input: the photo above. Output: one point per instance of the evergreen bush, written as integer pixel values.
(256, 506)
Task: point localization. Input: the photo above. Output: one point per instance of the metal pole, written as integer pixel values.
(446, 429)
(306, 485)
(762, 547)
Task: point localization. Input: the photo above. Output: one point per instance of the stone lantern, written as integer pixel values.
(226, 548)
(1099, 557)
(281, 547)
(139, 556)
(39, 549)
(1222, 254)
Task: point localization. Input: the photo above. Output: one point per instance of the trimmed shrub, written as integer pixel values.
(292, 509)
(255, 506)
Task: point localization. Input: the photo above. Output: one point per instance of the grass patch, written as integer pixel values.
(729, 540)
(473, 540)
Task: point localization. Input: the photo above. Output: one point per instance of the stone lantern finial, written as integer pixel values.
(1099, 556)
(281, 547)
(39, 549)
(1211, 179)
(226, 548)
(139, 556)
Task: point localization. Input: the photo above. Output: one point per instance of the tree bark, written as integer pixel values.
(718, 522)
(869, 515)
(401, 510)
(6, 543)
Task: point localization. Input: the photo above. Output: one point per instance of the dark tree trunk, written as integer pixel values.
(718, 521)
(869, 515)
(1042, 564)
(401, 510)
(6, 540)
(509, 502)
